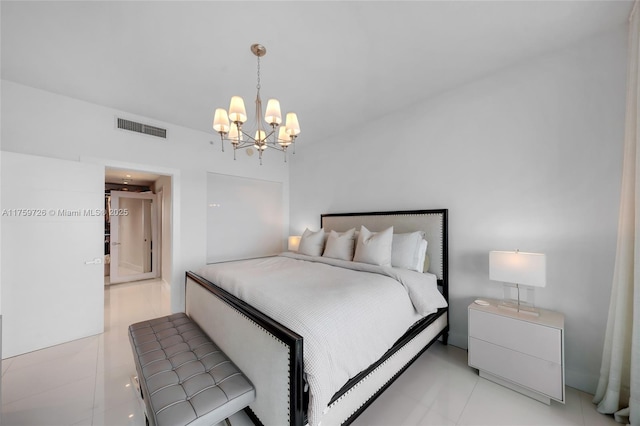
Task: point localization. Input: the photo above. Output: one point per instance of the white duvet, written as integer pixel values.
(348, 313)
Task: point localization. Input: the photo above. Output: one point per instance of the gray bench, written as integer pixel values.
(185, 379)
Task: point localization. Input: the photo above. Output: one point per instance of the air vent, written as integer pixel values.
(141, 128)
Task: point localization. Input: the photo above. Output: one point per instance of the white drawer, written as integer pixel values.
(531, 372)
(522, 336)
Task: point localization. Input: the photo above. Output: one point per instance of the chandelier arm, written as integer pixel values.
(244, 144)
(251, 138)
(273, 132)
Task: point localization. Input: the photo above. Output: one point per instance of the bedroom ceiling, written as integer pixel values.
(337, 64)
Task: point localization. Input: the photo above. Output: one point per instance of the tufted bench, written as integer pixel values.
(185, 379)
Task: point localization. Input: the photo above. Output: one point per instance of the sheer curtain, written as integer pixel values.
(619, 386)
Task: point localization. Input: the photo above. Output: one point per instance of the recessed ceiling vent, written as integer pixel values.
(141, 128)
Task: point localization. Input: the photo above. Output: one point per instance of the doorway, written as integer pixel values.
(133, 227)
(137, 218)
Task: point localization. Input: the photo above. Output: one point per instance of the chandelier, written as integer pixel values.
(230, 124)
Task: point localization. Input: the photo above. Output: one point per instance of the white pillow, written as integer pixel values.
(374, 247)
(422, 256)
(340, 245)
(405, 251)
(311, 243)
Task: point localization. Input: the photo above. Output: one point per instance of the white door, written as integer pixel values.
(133, 225)
(52, 251)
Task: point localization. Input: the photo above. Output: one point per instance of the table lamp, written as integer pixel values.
(294, 242)
(516, 269)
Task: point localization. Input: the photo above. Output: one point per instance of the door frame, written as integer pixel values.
(160, 215)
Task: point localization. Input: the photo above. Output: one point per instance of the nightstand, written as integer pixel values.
(520, 351)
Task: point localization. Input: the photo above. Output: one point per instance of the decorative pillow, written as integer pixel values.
(423, 260)
(374, 247)
(405, 251)
(340, 245)
(311, 243)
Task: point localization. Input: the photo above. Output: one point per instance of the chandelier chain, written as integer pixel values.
(258, 85)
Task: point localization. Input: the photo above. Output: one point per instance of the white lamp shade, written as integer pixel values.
(273, 114)
(283, 138)
(292, 125)
(234, 135)
(518, 267)
(294, 242)
(221, 121)
(237, 112)
(260, 138)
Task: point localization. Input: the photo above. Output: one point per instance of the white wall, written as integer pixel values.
(528, 158)
(47, 124)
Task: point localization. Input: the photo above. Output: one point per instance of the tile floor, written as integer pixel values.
(87, 382)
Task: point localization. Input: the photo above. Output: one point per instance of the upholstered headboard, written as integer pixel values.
(432, 222)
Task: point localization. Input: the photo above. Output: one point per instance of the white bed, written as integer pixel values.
(361, 325)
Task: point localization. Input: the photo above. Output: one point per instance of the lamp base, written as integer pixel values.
(519, 308)
(528, 310)
(514, 301)
(512, 306)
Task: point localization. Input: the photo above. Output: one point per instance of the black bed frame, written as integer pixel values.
(295, 341)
